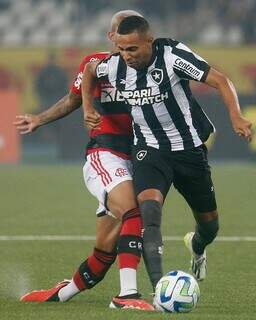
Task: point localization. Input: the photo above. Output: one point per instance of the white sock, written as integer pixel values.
(68, 291)
(128, 281)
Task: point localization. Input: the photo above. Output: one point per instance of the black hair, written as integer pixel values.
(133, 23)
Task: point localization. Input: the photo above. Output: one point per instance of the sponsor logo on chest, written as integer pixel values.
(110, 94)
(141, 97)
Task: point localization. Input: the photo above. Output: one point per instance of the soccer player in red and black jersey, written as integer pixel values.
(108, 176)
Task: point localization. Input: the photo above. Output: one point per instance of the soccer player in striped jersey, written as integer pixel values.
(107, 174)
(170, 129)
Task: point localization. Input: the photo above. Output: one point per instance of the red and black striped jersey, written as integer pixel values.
(115, 133)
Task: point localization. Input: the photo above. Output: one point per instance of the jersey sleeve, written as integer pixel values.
(189, 65)
(76, 84)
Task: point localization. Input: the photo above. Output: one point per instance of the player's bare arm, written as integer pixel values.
(92, 118)
(30, 122)
(227, 90)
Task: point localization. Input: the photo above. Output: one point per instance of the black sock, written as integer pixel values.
(198, 244)
(205, 233)
(152, 240)
(152, 254)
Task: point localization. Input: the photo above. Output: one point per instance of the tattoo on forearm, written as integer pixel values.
(62, 108)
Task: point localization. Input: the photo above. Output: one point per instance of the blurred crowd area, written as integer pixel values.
(82, 22)
(43, 42)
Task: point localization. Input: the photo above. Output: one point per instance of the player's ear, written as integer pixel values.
(111, 36)
(150, 39)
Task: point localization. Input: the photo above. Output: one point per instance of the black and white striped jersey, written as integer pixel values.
(165, 114)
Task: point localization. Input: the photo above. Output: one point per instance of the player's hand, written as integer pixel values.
(26, 123)
(242, 127)
(92, 120)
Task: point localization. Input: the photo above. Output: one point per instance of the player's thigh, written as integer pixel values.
(194, 182)
(104, 172)
(121, 198)
(107, 233)
(152, 176)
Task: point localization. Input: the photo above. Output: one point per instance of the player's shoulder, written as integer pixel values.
(162, 42)
(96, 56)
(112, 56)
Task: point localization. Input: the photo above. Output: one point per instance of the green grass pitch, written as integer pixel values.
(52, 200)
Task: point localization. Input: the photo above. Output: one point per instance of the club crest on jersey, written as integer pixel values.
(157, 75)
(141, 154)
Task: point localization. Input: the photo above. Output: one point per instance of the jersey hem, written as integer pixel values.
(116, 153)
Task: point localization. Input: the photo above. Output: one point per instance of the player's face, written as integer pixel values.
(135, 49)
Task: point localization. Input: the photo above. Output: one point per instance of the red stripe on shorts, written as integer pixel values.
(96, 166)
(103, 169)
(97, 169)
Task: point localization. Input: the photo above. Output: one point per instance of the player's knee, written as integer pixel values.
(106, 246)
(119, 204)
(108, 242)
(119, 208)
(151, 212)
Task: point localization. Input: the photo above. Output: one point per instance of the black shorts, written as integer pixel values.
(188, 170)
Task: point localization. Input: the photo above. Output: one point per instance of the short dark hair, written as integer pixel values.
(133, 23)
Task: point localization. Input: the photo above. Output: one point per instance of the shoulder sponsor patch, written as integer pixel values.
(188, 68)
(102, 69)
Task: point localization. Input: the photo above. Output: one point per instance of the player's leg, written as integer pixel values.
(105, 174)
(151, 202)
(195, 184)
(122, 203)
(100, 178)
(207, 226)
(95, 267)
(119, 198)
(197, 241)
(107, 233)
(90, 272)
(151, 187)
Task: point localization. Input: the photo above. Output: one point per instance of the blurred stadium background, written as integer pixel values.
(33, 32)
(41, 187)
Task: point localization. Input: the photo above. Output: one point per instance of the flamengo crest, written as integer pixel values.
(157, 75)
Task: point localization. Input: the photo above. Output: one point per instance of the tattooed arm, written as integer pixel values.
(28, 123)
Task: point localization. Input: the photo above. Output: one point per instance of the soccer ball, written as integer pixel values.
(177, 291)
